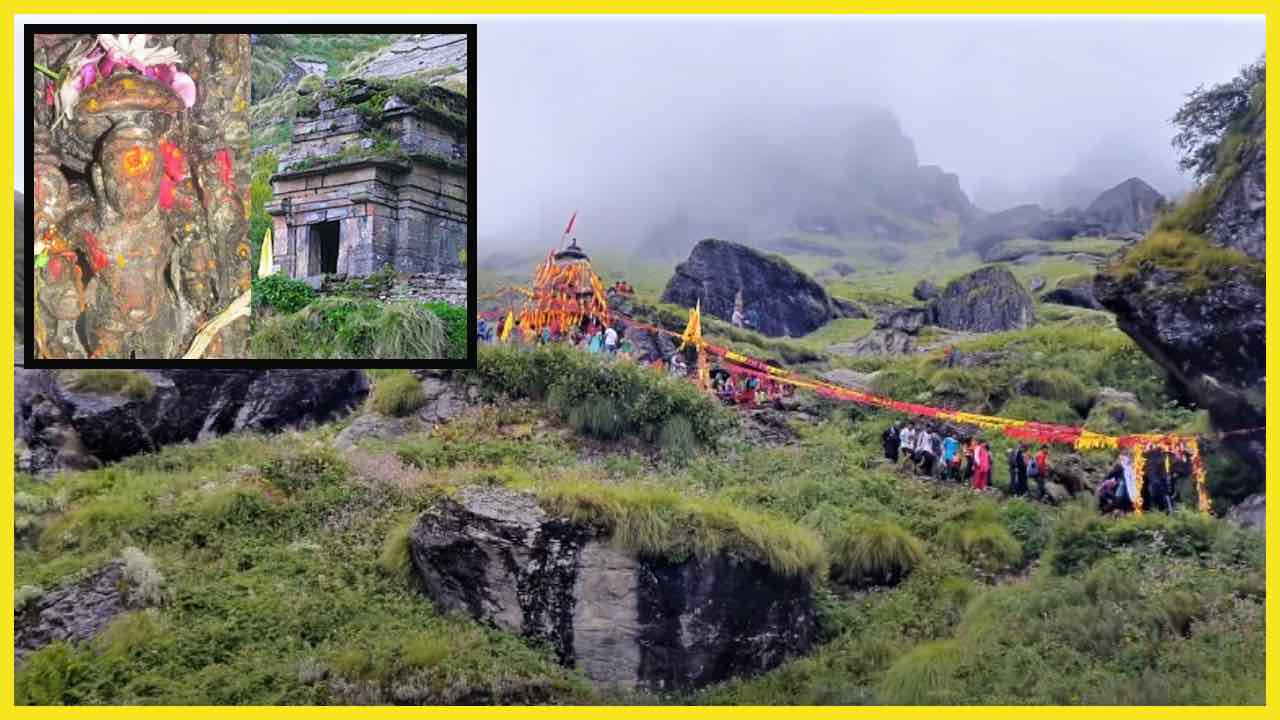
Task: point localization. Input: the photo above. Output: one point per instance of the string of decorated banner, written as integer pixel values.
(1022, 430)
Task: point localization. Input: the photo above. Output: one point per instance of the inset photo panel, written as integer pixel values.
(138, 157)
(299, 199)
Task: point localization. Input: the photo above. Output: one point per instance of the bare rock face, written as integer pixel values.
(989, 299)
(1240, 219)
(925, 291)
(436, 56)
(626, 621)
(1250, 513)
(784, 300)
(62, 429)
(1128, 207)
(1212, 343)
(74, 613)
(1075, 291)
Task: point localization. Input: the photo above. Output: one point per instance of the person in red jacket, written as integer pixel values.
(1042, 470)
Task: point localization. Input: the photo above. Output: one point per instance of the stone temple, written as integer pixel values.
(373, 180)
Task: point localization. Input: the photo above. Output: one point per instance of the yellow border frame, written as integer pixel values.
(1269, 8)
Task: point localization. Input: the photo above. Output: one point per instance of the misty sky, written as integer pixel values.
(608, 117)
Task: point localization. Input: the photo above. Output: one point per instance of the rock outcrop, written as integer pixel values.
(297, 69)
(73, 613)
(998, 227)
(925, 290)
(58, 428)
(1076, 291)
(1240, 219)
(429, 56)
(989, 299)
(1128, 207)
(625, 621)
(1211, 342)
(1207, 328)
(1250, 513)
(782, 299)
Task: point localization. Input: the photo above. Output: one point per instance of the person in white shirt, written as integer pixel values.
(907, 440)
(611, 340)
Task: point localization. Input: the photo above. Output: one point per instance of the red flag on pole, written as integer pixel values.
(572, 217)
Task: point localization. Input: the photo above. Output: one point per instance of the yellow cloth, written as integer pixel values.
(264, 262)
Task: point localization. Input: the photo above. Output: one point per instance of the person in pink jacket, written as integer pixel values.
(982, 462)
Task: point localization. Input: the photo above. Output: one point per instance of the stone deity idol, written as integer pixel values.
(151, 273)
(141, 227)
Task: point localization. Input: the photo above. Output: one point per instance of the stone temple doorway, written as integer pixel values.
(324, 247)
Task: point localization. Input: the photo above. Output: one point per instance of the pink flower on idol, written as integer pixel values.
(158, 63)
(113, 52)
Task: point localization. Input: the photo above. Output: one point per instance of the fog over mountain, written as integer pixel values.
(749, 127)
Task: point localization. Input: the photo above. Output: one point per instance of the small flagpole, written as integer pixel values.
(567, 229)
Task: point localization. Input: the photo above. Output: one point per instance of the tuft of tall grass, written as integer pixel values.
(395, 559)
(924, 676)
(876, 553)
(347, 328)
(397, 395)
(133, 384)
(979, 536)
(661, 522)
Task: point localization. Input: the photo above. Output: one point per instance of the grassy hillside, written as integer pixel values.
(283, 574)
(272, 53)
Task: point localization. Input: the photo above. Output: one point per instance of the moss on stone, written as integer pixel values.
(1198, 263)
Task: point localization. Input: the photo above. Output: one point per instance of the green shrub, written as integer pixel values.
(309, 468)
(455, 327)
(1027, 407)
(876, 553)
(397, 395)
(597, 417)
(1118, 418)
(639, 399)
(969, 387)
(281, 293)
(1082, 537)
(395, 559)
(56, 674)
(677, 440)
(133, 384)
(924, 676)
(1057, 384)
(978, 535)
(408, 330)
(346, 328)
(1025, 522)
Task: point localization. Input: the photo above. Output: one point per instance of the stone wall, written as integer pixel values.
(430, 287)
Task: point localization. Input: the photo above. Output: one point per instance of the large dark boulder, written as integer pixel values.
(991, 230)
(1076, 291)
(1211, 341)
(1128, 207)
(625, 621)
(925, 291)
(785, 300)
(59, 428)
(989, 299)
